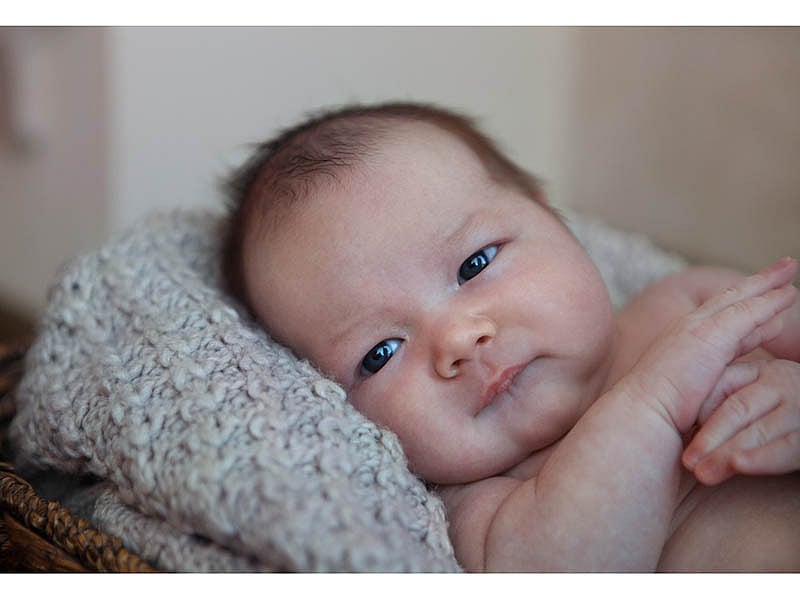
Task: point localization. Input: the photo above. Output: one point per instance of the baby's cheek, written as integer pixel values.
(385, 404)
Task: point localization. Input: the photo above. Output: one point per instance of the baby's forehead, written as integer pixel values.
(419, 135)
(422, 148)
(402, 150)
(410, 144)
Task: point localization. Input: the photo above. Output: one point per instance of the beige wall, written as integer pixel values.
(150, 118)
(186, 102)
(691, 136)
(53, 196)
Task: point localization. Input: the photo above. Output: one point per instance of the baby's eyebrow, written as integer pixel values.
(344, 331)
(344, 334)
(343, 339)
(464, 228)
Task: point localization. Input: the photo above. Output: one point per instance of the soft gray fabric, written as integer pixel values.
(217, 448)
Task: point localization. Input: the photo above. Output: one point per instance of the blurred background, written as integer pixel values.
(688, 135)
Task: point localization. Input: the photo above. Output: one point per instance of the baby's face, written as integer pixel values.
(455, 311)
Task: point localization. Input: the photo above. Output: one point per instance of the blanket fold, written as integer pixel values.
(217, 448)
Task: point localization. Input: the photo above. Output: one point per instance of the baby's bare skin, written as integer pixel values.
(742, 524)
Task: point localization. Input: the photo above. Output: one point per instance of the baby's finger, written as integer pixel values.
(714, 470)
(776, 275)
(742, 415)
(775, 434)
(762, 334)
(738, 328)
(735, 377)
(781, 456)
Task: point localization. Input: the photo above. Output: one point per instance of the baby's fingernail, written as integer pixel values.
(691, 458)
(706, 472)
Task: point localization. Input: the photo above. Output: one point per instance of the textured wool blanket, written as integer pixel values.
(213, 448)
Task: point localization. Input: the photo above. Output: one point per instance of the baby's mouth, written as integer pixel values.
(500, 384)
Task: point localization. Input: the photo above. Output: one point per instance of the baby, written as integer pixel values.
(397, 249)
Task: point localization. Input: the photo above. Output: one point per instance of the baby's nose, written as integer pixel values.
(458, 341)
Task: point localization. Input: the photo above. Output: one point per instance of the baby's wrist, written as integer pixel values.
(659, 397)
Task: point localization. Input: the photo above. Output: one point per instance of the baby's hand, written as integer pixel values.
(754, 423)
(677, 373)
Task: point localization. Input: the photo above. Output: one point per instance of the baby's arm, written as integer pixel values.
(604, 498)
(750, 423)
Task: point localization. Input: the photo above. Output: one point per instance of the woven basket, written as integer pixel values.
(37, 534)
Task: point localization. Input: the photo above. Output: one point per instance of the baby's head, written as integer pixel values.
(327, 148)
(397, 249)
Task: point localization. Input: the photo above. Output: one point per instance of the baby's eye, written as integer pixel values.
(380, 354)
(476, 263)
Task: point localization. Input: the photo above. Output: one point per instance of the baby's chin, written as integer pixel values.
(463, 469)
(461, 463)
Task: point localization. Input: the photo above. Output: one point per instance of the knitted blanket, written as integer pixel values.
(215, 448)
